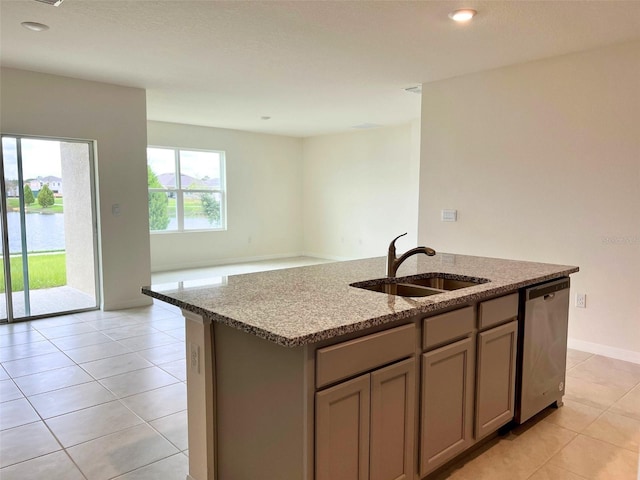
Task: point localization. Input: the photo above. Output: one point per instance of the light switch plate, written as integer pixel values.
(449, 215)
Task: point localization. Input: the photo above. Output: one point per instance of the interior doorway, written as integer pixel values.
(48, 228)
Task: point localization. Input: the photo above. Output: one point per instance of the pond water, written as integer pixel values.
(190, 223)
(45, 231)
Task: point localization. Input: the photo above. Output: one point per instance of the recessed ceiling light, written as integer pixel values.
(35, 26)
(462, 15)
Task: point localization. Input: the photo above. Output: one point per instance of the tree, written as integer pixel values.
(211, 207)
(158, 203)
(45, 196)
(28, 195)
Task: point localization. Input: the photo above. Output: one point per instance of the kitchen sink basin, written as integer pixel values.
(401, 289)
(444, 283)
(419, 285)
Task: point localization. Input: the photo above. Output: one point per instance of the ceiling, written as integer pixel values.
(314, 67)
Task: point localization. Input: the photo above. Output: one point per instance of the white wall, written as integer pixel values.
(360, 191)
(542, 161)
(78, 232)
(115, 117)
(264, 198)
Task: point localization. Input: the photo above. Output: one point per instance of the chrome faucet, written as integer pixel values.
(394, 263)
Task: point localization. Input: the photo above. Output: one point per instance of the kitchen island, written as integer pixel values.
(296, 374)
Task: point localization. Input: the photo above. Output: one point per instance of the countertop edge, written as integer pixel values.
(298, 341)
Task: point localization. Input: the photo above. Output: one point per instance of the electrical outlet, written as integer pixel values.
(581, 300)
(194, 357)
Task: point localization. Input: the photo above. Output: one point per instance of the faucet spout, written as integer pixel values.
(394, 263)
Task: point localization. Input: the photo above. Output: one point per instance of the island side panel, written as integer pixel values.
(201, 407)
(262, 409)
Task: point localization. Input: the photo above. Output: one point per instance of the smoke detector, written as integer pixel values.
(55, 3)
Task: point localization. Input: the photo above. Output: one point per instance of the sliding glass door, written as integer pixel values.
(5, 303)
(48, 227)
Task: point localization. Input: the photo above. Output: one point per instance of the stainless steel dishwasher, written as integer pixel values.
(543, 348)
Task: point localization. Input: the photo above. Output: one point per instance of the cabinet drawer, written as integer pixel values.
(498, 310)
(347, 359)
(447, 327)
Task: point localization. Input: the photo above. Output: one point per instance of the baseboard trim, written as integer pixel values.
(140, 301)
(605, 350)
(168, 267)
(328, 257)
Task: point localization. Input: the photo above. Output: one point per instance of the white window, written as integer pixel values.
(186, 190)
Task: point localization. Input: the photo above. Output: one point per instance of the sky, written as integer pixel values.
(40, 158)
(195, 163)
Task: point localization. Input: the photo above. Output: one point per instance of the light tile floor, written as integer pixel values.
(56, 299)
(595, 435)
(101, 395)
(94, 395)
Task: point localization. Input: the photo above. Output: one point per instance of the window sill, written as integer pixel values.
(171, 232)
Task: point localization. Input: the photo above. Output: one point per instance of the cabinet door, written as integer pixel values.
(392, 421)
(446, 426)
(342, 431)
(495, 388)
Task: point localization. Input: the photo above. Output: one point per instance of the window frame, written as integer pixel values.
(180, 192)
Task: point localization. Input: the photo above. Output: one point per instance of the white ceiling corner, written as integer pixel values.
(314, 67)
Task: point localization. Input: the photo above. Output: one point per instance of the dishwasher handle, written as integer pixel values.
(547, 290)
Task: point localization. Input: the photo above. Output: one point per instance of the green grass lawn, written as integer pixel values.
(14, 204)
(192, 208)
(45, 271)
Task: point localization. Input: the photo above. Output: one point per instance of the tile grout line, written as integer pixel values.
(116, 398)
(605, 410)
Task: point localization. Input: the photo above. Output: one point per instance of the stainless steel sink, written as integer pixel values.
(444, 283)
(419, 285)
(401, 289)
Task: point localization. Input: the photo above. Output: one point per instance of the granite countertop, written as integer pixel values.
(303, 305)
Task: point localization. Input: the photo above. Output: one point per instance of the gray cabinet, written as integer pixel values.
(365, 426)
(392, 421)
(467, 379)
(365, 400)
(447, 385)
(342, 431)
(495, 383)
(496, 364)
